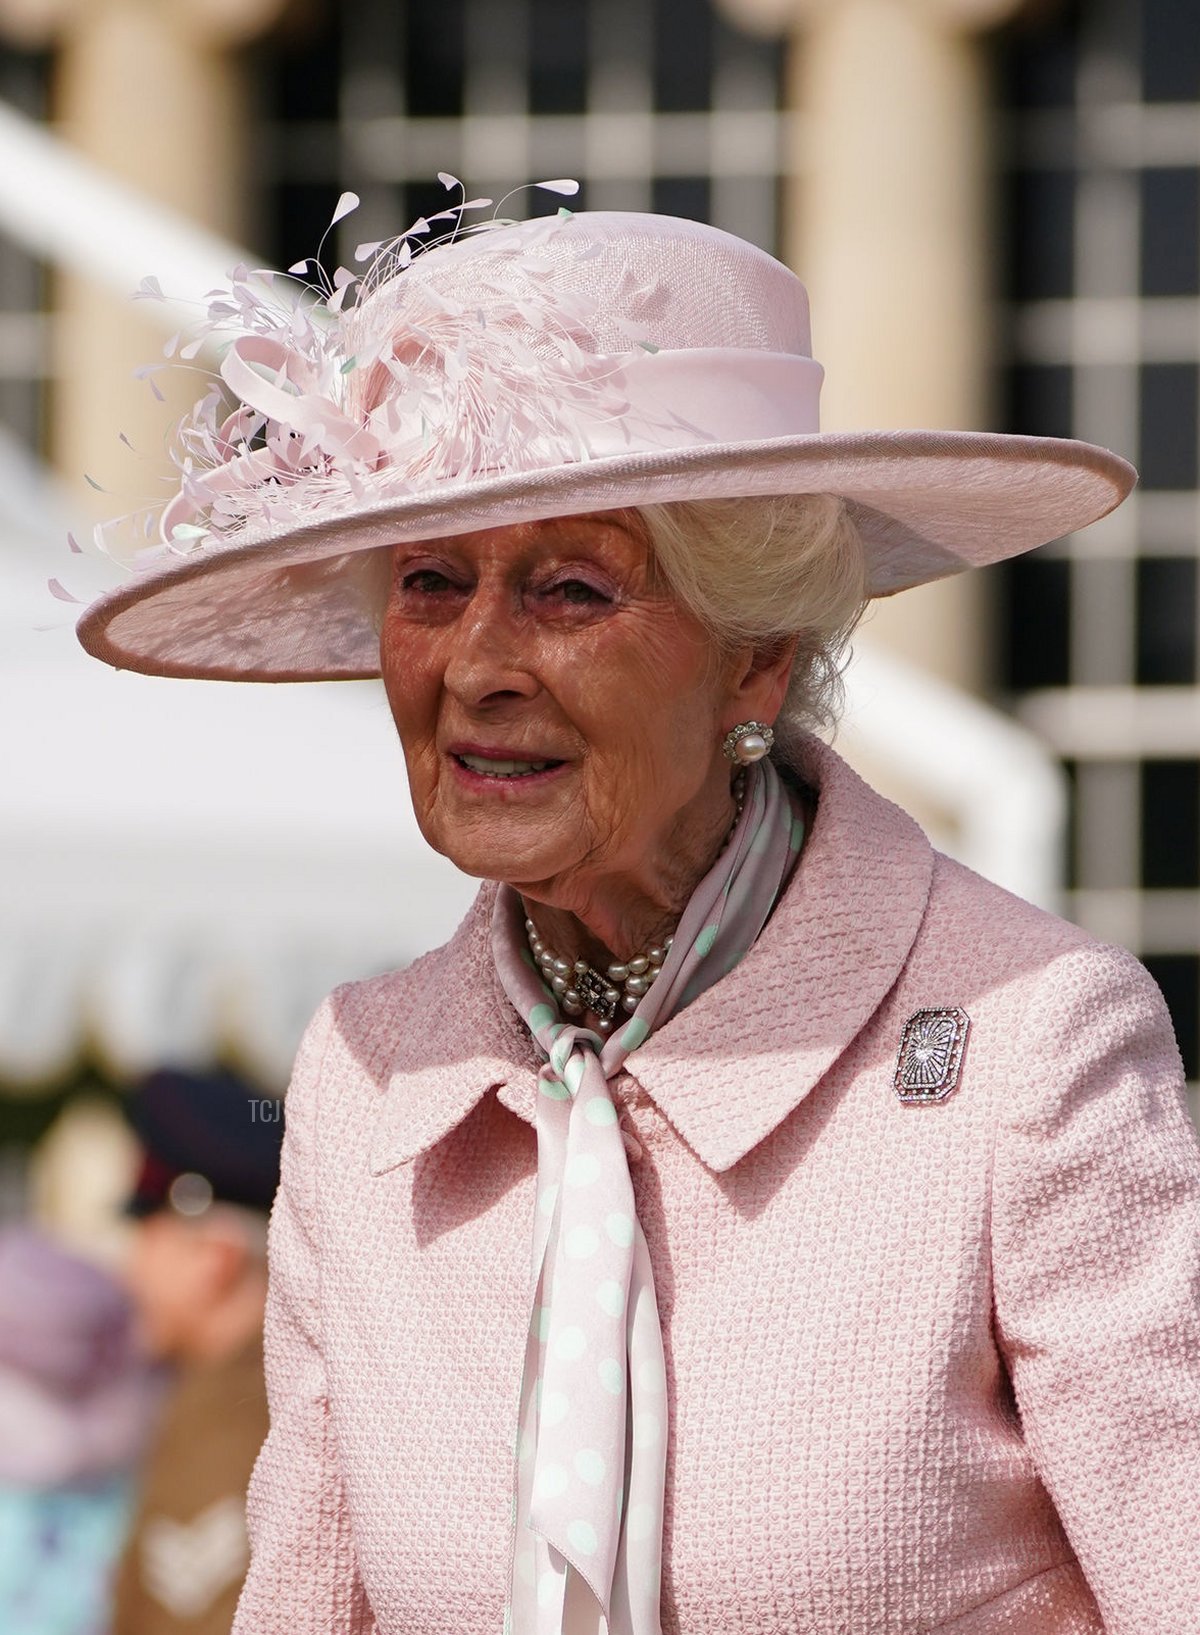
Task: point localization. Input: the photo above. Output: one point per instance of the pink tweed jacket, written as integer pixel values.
(932, 1368)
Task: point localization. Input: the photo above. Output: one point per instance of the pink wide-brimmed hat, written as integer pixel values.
(516, 372)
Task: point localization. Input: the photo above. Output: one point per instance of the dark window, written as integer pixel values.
(1042, 234)
(682, 196)
(1040, 399)
(1166, 621)
(305, 79)
(1171, 230)
(25, 77)
(1039, 55)
(1171, 824)
(1170, 51)
(1178, 975)
(302, 213)
(558, 48)
(1071, 851)
(1167, 455)
(1035, 593)
(683, 56)
(435, 59)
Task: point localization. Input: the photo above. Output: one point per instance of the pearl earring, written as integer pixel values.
(748, 741)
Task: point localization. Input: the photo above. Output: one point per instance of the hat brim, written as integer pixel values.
(927, 504)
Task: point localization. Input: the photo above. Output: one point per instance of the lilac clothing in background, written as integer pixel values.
(930, 1368)
(78, 1399)
(77, 1404)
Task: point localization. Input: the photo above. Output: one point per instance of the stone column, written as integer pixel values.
(152, 90)
(888, 204)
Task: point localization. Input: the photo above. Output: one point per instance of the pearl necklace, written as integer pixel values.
(579, 987)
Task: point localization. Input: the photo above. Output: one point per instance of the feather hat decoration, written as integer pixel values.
(479, 371)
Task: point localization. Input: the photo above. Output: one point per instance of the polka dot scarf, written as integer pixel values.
(592, 1433)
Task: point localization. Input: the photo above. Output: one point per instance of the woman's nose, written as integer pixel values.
(489, 657)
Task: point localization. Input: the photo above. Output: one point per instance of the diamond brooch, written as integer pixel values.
(931, 1051)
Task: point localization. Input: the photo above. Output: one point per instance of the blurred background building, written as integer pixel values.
(996, 206)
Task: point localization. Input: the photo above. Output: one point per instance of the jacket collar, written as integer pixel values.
(731, 1066)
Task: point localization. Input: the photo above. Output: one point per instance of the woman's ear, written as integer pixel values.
(760, 680)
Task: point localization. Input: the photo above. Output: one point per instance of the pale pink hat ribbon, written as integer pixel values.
(592, 1434)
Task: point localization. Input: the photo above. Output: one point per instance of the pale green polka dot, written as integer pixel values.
(640, 1522)
(548, 1200)
(589, 1466)
(582, 1170)
(541, 1016)
(549, 1482)
(760, 840)
(541, 1322)
(620, 1229)
(555, 1089)
(527, 958)
(560, 1051)
(581, 1243)
(645, 1430)
(600, 1111)
(612, 1376)
(574, 1074)
(526, 1448)
(553, 1409)
(581, 1536)
(547, 1588)
(557, 1028)
(610, 1297)
(796, 837)
(706, 939)
(570, 1344)
(634, 1031)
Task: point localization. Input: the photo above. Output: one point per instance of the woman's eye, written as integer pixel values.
(576, 591)
(425, 581)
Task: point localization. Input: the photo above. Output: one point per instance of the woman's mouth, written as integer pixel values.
(503, 768)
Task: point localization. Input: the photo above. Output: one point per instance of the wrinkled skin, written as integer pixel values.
(556, 640)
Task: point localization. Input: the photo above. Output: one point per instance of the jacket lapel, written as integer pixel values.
(458, 1039)
(732, 1066)
(728, 1069)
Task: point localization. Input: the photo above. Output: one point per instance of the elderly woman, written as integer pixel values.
(750, 1220)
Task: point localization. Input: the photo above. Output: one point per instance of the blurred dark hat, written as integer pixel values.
(206, 1138)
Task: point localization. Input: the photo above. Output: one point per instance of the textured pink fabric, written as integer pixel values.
(931, 1368)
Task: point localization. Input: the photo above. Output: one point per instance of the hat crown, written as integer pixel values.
(678, 284)
(515, 373)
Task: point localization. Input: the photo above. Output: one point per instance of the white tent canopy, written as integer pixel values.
(185, 866)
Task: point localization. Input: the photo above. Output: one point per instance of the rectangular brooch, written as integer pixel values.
(931, 1051)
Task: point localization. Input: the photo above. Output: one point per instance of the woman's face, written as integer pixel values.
(560, 714)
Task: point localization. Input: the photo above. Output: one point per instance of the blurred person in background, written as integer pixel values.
(77, 1404)
(751, 1219)
(197, 1273)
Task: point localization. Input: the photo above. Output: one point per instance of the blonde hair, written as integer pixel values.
(760, 571)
